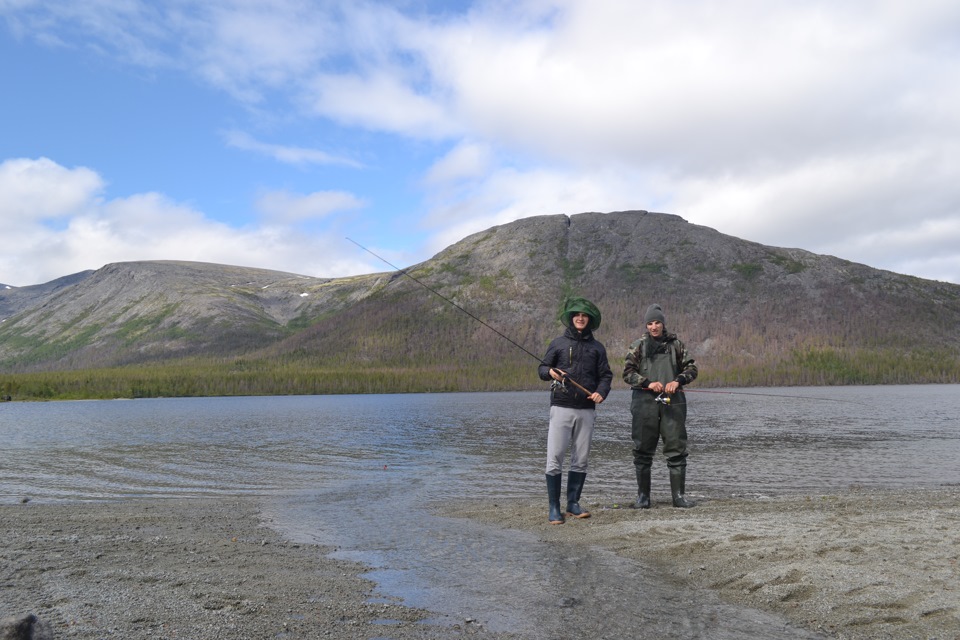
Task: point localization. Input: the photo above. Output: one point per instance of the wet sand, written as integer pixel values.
(857, 565)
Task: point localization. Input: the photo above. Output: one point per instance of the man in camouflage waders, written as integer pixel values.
(656, 368)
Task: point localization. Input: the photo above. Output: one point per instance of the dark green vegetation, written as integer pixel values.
(753, 316)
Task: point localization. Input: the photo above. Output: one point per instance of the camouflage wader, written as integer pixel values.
(651, 360)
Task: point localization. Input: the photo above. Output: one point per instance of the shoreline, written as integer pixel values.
(857, 565)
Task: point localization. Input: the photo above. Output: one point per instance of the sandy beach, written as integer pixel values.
(857, 565)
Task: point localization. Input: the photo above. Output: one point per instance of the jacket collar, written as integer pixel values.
(573, 334)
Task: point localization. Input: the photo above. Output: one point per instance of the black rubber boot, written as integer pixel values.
(678, 477)
(553, 493)
(575, 481)
(643, 487)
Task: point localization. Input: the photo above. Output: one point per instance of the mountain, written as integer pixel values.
(141, 311)
(752, 314)
(13, 300)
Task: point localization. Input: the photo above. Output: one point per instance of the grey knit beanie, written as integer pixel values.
(654, 312)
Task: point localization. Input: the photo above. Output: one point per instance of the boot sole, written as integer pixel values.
(582, 515)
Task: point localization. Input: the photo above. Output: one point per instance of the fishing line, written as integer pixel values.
(448, 300)
(437, 293)
(667, 400)
(770, 395)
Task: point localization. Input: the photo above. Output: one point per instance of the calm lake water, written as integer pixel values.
(360, 472)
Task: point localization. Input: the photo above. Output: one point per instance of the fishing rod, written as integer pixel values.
(448, 300)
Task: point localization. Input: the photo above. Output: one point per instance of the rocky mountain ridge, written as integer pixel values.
(739, 305)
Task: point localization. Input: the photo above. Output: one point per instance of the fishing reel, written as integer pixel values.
(662, 399)
(559, 385)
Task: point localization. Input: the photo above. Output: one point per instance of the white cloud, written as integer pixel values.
(285, 207)
(466, 160)
(287, 154)
(247, 48)
(380, 101)
(41, 189)
(506, 195)
(927, 248)
(838, 206)
(90, 231)
(701, 87)
(807, 124)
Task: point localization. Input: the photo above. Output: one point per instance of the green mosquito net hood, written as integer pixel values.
(580, 305)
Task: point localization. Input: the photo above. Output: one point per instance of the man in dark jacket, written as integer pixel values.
(577, 364)
(656, 368)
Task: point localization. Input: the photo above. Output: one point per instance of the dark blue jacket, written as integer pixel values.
(585, 360)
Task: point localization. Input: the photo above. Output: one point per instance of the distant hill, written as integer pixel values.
(137, 312)
(13, 300)
(752, 314)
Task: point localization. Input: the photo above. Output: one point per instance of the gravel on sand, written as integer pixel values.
(194, 568)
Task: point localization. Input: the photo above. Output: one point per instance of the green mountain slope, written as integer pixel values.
(752, 314)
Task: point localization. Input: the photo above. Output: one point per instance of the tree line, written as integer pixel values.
(811, 366)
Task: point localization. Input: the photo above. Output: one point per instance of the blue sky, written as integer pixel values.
(263, 134)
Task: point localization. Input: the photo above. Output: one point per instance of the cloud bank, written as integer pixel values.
(71, 228)
(833, 127)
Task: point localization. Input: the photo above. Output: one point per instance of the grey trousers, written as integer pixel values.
(569, 428)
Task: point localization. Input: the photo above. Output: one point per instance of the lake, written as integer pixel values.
(360, 472)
